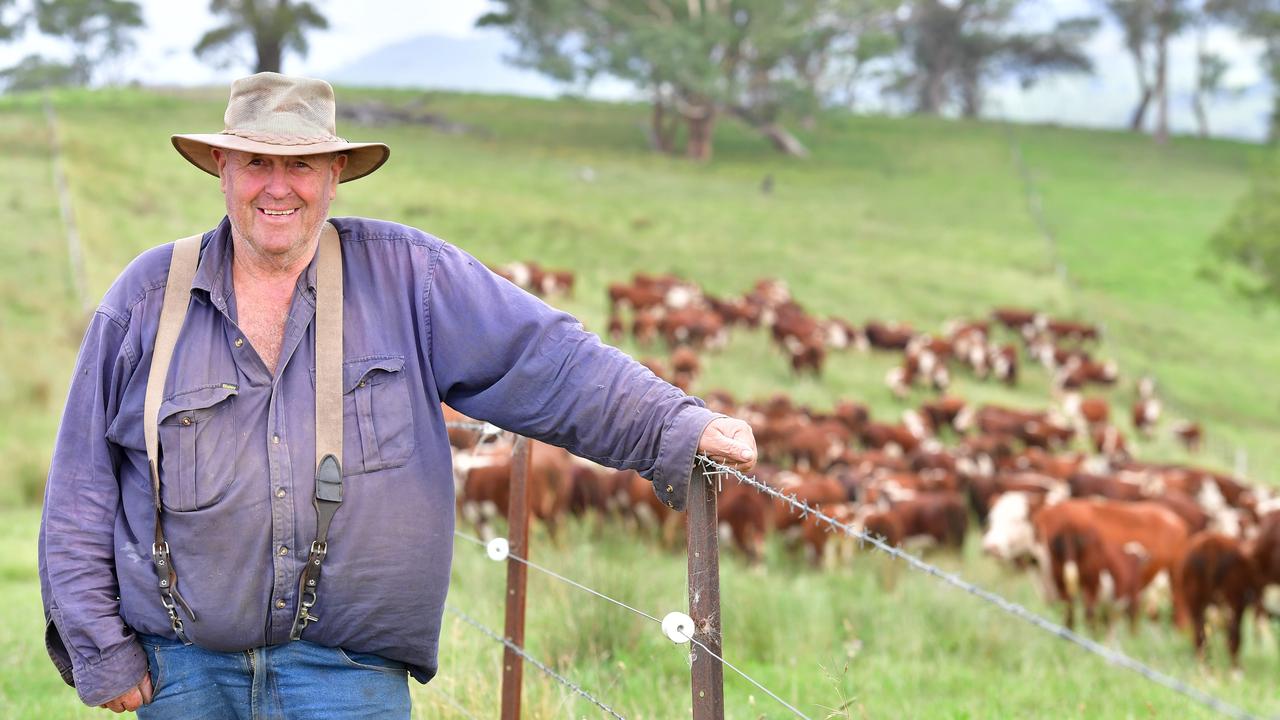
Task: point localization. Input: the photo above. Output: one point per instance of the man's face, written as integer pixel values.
(277, 203)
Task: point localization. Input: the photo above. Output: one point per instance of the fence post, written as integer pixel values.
(706, 673)
(517, 576)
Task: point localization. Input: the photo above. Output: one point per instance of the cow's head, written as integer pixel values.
(1010, 535)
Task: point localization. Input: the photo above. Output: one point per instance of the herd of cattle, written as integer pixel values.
(1054, 491)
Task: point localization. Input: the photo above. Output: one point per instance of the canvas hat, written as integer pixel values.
(275, 114)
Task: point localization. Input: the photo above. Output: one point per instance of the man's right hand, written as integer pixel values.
(136, 697)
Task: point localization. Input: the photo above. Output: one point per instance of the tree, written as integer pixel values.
(1251, 235)
(10, 28)
(757, 60)
(956, 48)
(98, 31)
(273, 26)
(1259, 19)
(35, 72)
(1211, 72)
(1136, 19)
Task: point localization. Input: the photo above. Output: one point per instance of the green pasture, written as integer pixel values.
(916, 220)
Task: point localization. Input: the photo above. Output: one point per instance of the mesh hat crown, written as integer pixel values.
(273, 114)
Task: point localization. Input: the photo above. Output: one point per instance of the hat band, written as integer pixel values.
(274, 139)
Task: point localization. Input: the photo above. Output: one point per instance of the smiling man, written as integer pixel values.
(264, 400)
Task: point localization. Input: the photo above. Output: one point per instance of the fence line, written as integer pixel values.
(75, 256)
(1115, 657)
(641, 613)
(521, 652)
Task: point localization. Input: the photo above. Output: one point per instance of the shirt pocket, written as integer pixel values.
(377, 422)
(198, 447)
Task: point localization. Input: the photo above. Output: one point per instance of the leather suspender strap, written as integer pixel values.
(328, 419)
(177, 297)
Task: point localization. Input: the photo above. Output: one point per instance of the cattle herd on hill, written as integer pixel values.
(1055, 491)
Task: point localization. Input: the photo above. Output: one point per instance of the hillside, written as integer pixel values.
(917, 220)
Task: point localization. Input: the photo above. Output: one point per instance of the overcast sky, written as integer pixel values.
(358, 27)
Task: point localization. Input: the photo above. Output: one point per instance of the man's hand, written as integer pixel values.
(731, 442)
(136, 697)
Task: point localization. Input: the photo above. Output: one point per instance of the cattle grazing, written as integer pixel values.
(1216, 570)
(1189, 434)
(1080, 560)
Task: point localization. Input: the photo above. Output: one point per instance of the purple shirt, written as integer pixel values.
(423, 323)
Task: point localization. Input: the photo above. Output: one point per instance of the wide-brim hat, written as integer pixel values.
(275, 114)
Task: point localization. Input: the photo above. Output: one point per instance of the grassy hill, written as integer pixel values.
(912, 219)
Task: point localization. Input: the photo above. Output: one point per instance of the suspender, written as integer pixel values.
(177, 295)
(328, 496)
(328, 420)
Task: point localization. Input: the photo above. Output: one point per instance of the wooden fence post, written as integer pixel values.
(706, 672)
(517, 576)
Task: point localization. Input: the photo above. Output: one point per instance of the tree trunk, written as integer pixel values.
(933, 93)
(1139, 118)
(1162, 75)
(783, 141)
(270, 53)
(662, 128)
(701, 128)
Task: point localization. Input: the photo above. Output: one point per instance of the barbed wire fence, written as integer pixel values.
(716, 472)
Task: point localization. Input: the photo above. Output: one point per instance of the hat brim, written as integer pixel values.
(362, 158)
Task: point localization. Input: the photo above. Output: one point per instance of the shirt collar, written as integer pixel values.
(213, 276)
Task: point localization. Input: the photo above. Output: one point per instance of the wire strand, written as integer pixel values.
(1113, 656)
(743, 674)
(564, 579)
(520, 651)
(558, 576)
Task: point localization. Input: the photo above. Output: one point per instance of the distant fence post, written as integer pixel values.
(517, 576)
(706, 672)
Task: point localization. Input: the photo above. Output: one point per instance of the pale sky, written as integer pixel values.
(358, 27)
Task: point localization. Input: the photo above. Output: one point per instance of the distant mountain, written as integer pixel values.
(477, 64)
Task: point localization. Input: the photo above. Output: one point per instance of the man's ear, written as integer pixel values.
(220, 159)
(336, 166)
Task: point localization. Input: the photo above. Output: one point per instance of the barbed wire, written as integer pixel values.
(1115, 657)
(641, 613)
(521, 652)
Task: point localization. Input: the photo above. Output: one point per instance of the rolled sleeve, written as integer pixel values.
(677, 447)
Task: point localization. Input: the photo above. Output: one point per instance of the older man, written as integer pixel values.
(213, 457)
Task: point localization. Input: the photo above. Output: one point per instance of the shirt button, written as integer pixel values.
(239, 342)
(186, 420)
(360, 384)
(670, 489)
(275, 439)
(280, 604)
(279, 492)
(284, 550)
(673, 507)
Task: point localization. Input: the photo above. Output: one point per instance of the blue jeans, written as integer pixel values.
(294, 680)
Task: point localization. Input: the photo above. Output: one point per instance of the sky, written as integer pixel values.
(358, 27)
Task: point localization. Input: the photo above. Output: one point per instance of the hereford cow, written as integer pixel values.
(1217, 570)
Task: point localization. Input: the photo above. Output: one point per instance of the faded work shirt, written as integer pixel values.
(423, 323)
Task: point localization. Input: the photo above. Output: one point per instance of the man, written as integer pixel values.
(238, 484)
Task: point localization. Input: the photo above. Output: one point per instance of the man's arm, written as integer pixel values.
(502, 355)
(85, 635)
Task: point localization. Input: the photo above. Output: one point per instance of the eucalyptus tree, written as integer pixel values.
(698, 60)
(1260, 20)
(955, 48)
(98, 31)
(274, 27)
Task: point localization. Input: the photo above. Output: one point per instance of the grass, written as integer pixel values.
(911, 219)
